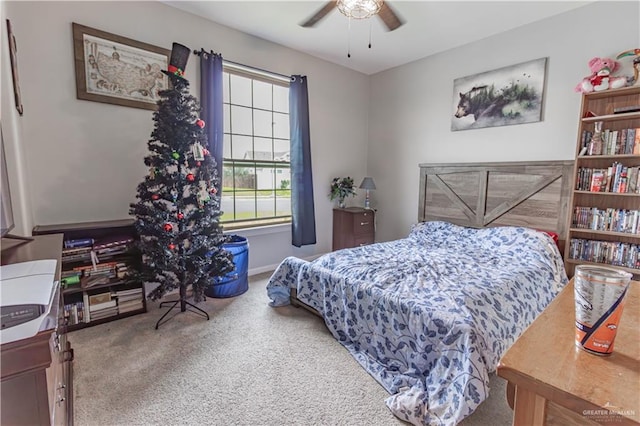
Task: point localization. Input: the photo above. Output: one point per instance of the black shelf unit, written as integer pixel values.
(97, 230)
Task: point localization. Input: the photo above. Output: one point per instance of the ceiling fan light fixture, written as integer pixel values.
(359, 9)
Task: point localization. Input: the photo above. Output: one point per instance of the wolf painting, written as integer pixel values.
(511, 95)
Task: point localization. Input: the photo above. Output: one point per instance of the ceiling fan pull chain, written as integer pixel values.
(349, 39)
(369, 33)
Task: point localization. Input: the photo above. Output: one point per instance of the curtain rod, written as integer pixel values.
(282, 77)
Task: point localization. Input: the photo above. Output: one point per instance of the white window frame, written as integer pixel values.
(277, 166)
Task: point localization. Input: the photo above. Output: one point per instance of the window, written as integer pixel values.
(256, 181)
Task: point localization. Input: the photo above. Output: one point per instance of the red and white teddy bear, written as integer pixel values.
(601, 78)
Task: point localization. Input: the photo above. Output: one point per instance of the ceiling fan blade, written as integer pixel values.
(390, 18)
(319, 14)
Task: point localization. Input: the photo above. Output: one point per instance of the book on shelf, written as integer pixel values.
(104, 313)
(95, 280)
(78, 243)
(77, 258)
(101, 306)
(109, 273)
(584, 140)
(128, 292)
(606, 142)
(597, 180)
(631, 138)
(95, 299)
(111, 251)
(74, 313)
(87, 313)
(625, 109)
(76, 254)
(76, 250)
(125, 297)
(96, 267)
(632, 186)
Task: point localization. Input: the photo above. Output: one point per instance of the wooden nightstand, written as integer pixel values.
(353, 227)
(556, 383)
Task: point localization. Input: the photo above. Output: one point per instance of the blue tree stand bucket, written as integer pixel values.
(235, 282)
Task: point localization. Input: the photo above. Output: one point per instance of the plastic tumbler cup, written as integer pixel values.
(599, 300)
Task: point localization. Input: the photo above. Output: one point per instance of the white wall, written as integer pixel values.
(84, 159)
(411, 106)
(11, 133)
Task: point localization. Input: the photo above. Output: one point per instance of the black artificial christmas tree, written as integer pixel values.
(178, 208)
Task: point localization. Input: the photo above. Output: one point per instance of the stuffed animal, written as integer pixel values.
(601, 78)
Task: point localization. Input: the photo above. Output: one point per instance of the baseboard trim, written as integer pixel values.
(273, 267)
(260, 270)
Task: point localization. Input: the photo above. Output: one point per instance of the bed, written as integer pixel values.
(429, 315)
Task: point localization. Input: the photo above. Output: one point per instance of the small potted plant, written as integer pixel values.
(342, 188)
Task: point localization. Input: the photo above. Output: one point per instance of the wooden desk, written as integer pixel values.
(558, 383)
(36, 383)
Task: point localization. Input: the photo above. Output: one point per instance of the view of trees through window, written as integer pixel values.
(256, 181)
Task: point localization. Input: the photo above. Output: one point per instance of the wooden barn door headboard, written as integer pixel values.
(532, 194)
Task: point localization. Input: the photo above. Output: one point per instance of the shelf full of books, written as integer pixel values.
(101, 305)
(608, 220)
(616, 178)
(604, 227)
(98, 264)
(613, 253)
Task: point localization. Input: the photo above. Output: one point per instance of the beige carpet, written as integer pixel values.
(249, 365)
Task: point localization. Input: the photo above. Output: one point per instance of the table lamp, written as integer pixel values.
(367, 184)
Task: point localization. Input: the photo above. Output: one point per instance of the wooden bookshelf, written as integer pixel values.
(593, 226)
(78, 294)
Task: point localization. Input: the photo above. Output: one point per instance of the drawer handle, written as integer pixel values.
(61, 399)
(70, 357)
(364, 223)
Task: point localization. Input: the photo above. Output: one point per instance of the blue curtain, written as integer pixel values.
(211, 103)
(303, 224)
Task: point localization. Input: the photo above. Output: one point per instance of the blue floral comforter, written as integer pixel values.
(430, 315)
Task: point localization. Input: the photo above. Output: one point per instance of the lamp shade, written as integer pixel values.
(359, 9)
(367, 183)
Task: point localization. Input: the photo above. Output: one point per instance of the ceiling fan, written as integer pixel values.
(358, 9)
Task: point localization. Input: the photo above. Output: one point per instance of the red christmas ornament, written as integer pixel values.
(155, 196)
(172, 246)
(191, 177)
(198, 164)
(168, 227)
(180, 216)
(200, 123)
(214, 190)
(205, 151)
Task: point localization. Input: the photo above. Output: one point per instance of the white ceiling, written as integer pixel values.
(430, 26)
